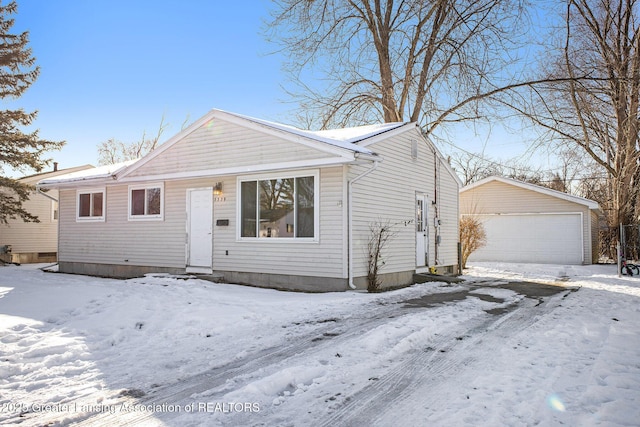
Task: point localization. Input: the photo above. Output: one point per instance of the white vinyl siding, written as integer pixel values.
(221, 144)
(163, 243)
(120, 241)
(388, 195)
(322, 257)
(449, 211)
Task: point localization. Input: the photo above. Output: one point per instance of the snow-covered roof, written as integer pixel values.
(355, 134)
(344, 143)
(35, 178)
(343, 138)
(528, 186)
(98, 173)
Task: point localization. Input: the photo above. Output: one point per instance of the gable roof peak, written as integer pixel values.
(591, 204)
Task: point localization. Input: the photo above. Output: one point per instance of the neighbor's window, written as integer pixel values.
(90, 205)
(278, 208)
(145, 202)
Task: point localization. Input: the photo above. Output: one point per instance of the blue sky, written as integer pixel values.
(112, 69)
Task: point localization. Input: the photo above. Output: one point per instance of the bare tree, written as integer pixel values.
(113, 151)
(472, 167)
(599, 115)
(427, 61)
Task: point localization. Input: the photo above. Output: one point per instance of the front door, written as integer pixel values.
(200, 229)
(421, 231)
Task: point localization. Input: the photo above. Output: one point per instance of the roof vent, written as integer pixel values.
(414, 149)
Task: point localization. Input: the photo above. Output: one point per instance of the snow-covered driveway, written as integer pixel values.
(168, 351)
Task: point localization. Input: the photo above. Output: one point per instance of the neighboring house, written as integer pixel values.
(529, 223)
(29, 242)
(266, 204)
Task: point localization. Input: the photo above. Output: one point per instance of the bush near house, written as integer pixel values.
(472, 236)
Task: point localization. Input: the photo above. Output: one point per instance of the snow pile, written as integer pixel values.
(167, 350)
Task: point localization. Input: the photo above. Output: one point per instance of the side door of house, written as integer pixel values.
(199, 230)
(422, 230)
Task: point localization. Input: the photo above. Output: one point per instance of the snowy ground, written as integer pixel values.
(168, 351)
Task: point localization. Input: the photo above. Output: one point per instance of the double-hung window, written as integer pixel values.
(146, 201)
(90, 205)
(279, 207)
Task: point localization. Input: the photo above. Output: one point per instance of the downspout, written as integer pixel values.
(39, 190)
(436, 219)
(350, 216)
(46, 195)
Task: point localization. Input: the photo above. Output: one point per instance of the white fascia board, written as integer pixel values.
(240, 170)
(387, 134)
(92, 182)
(532, 187)
(409, 127)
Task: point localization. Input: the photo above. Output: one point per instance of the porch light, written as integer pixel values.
(217, 189)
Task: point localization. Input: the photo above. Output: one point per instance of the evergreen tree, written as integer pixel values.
(18, 150)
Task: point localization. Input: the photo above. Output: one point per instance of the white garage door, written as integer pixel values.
(533, 238)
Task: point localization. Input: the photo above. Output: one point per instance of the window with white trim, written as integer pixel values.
(279, 207)
(146, 201)
(90, 205)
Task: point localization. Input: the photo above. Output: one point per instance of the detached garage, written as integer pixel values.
(529, 223)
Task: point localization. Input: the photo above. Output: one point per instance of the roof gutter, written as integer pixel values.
(375, 160)
(39, 190)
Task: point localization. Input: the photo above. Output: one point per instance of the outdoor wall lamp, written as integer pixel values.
(217, 188)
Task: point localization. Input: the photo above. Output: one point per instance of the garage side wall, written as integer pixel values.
(595, 237)
(496, 197)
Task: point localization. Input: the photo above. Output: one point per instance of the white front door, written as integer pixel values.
(200, 229)
(421, 231)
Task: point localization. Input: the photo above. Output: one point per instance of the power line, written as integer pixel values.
(519, 167)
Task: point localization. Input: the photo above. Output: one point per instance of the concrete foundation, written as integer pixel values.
(29, 258)
(115, 271)
(287, 282)
(388, 280)
(264, 280)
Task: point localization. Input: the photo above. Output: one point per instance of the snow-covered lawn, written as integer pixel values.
(174, 351)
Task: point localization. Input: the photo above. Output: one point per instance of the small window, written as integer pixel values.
(146, 202)
(54, 210)
(90, 205)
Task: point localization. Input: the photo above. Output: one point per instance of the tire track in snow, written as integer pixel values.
(442, 363)
(240, 371)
